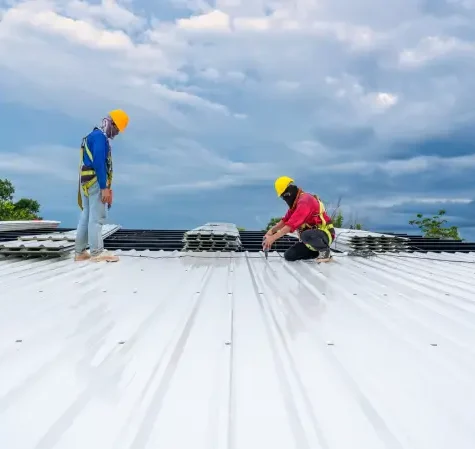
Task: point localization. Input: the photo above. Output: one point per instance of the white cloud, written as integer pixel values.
(77, 31)
(108, 11)
(385, 99)
(393, 201)
(212, 21)
(36, 161)
(252, 24)
(412, 165)
(435, 47)
(260, 87)
(128, 74)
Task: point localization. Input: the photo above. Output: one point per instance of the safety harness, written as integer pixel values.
(87, 175)
(324, 226)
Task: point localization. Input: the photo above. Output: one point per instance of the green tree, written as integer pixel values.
(241, 229)
(433, 227)
(272, 222)
(23, 209)
(338, 220)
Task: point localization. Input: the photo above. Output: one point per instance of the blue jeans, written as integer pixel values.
(93, 216)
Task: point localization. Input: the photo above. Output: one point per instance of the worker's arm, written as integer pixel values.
(276, 228)
(269, 239)
(281, 232)
(97, 143)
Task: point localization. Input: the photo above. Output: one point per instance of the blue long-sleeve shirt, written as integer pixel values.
(99, 147)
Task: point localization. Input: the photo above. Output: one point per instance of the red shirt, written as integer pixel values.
(305, 211)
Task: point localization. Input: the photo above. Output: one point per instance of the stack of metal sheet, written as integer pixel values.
(355, 240)
(213, 237)
(47, 245)
(27, 225)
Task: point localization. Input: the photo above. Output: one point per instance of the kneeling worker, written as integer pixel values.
(307, 215)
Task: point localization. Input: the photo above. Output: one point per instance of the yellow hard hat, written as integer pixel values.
(120, 118)
(281, 184)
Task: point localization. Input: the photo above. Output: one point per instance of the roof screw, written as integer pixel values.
(355, 294)
(121, 342)
(330, 343)
(104, 291)
(135, 291)
(19, 341)
(40, 291)
(433, 344)
(228, 343)
(447, 294)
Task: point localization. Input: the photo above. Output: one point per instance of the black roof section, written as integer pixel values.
(6, 236)
(172, 240)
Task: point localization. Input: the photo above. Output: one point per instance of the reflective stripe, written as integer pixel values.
(322, 227)
(87, 171)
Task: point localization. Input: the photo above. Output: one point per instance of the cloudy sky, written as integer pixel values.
(369, 101)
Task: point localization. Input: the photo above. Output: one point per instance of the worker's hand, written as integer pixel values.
(106, 196)
(269, 232)
(267, 242)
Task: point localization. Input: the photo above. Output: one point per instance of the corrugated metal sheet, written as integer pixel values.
(213, 237)
(55, 244)
(205, 351)
(6, 226)
(353, 239)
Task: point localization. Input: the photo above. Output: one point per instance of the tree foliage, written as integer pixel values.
(23, 209)
(272, 222)
(338, 220)
(433, 227)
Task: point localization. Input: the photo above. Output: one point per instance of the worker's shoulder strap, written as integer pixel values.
(84, 146)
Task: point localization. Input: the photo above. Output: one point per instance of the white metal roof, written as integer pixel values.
(231, 351)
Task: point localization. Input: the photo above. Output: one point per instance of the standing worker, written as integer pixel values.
(307, 215)
(94, 191)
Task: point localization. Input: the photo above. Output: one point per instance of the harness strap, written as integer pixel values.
(324, 226)
(87, 175)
